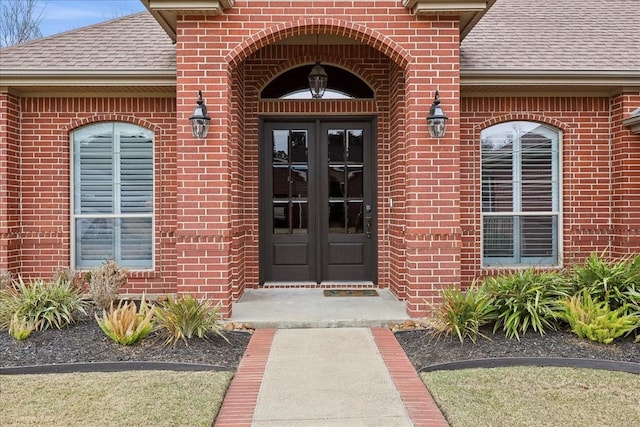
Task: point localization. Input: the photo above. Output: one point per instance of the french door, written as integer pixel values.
(317, 201)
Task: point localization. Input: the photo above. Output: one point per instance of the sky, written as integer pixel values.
(65, 15)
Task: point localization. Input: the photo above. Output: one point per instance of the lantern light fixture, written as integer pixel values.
(318, 77)
(437, 119)
(200, 120)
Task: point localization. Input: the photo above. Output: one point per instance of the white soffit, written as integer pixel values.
(469, 11)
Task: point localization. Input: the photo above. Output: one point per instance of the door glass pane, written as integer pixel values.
(336, 182)
(336, 145)
(355, 185)
(281, 218)
(280, 146)
(299, 146)
(337, 217)
(299, 179)
(355, 223)
(280, 182)
(355, 145)
(299, 218)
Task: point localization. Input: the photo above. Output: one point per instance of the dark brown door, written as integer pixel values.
(317, 198)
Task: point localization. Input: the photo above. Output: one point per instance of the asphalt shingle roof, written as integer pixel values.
(587, 35)
(134, 42)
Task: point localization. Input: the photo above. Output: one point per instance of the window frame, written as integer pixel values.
(518, 260)
(116, 198)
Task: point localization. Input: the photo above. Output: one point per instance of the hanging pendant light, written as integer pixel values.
(200, 120)
(437, 119)
(317, 77)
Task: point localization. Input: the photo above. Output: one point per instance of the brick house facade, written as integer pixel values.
(212, 209)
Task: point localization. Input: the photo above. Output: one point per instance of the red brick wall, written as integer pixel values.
(9, 183)
(45, 232)
(625, 182)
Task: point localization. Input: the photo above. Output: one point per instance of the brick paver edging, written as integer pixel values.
(419, 403)
(240, 401)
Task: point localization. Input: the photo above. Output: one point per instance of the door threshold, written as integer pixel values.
(342, 284)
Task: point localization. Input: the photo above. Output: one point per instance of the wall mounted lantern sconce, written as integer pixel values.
(437, 119)
(200, 120)
(317, 77)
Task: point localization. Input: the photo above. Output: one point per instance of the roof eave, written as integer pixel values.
(633, 122)
(469, 11)
(620, 77)
(166, 11)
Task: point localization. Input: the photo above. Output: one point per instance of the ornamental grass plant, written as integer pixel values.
(186, 317)
(526, 299)
(127, 323)
(462, 313)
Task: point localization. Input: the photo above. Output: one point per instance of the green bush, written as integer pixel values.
(21, 328)
(105, 282)
(43, 305)
(463, 313)
(187, 317)
(616, 282)
(526, 299)
(126, 324)
(594, 319)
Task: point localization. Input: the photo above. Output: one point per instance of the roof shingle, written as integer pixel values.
(134, 42)
(570, 35)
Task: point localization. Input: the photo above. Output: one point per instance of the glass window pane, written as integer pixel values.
(94, 241)
(498, 237)
(94, 177)
(337, 218)
(355, 184)
(536, 196)
(299, 146)
(280, 146)
(355, 146)
(355, 223)
(537, 236)
(336, 145)
(136, 237)
(281, 218)
(336, 182)
(299, 184)
(136, 174)
(280, 182)
(299, 218)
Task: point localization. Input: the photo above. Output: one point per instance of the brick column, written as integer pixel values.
(625, 177)
(203, 236)
(9, 182)
(432, 218)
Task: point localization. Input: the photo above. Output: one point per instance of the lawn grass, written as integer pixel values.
(534, 396)
(140, 398)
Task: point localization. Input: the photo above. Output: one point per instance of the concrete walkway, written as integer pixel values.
(327, 377)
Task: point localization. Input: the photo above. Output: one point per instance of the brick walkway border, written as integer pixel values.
(416, 398)
(241, 398)
(240, 401)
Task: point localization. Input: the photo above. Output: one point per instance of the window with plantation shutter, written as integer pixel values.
(520, 194)
(113, 195)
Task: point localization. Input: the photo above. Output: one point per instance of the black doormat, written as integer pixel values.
(350, 293)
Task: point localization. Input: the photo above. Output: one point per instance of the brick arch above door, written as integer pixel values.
(336, 27)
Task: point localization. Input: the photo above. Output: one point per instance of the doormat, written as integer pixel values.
(350, 293)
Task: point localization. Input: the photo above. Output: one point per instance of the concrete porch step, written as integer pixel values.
(285, 308)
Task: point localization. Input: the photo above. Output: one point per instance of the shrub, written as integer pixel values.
(187, 317)
(526, 299)
(616, 282)
(70, 276)
(20, 328)
(6, 279)
(42, 304)
(126, 324)
(463, 313)
(105, 282)
(594, 319)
